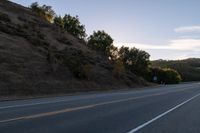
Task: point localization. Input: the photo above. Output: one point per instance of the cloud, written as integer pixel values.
(185, 44)
(175, 49)
(140, 45)
(182, 47)
(177, 44)
(186, 29)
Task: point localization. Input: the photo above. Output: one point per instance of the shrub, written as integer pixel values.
(74, 64)
(118, 69)
(4, 17)
(166, 75)
(4, 28)
(78, 69)
(171, 76)
(37, 42)
(64, 40)
(43, 11)
(40, 35)
(77, 62)
(87, 70)
(22, 18)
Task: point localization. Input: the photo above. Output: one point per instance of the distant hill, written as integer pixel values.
(37, 58)
(188, 68)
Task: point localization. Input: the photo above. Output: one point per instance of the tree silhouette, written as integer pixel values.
(73, 26)
(101, 41)
(44, 11)
(135, 60)
(58, 21)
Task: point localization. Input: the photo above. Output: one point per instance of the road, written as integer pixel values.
(164, 109)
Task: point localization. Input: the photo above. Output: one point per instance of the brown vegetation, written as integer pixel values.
(37, 57)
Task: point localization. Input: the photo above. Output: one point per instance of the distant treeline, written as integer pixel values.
(189, 69)
(124, 59)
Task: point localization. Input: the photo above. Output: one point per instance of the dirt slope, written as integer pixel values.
(38, 58)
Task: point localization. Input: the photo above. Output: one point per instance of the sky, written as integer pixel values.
(166, 29)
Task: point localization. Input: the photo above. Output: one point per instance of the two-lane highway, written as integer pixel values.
(165, 109)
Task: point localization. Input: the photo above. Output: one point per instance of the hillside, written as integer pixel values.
(189, 68)
(36, 57)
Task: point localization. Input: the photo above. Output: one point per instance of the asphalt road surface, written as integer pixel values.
(164, 109)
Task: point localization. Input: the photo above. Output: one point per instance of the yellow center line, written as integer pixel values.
(83, 107)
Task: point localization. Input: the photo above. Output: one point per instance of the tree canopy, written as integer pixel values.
(44, 11)
(165, 75)
(58, 21)
(73, 26)
(101, 41)
(135, 60)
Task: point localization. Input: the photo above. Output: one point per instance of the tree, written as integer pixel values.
(49, 13)
(58, 21)
(135, 60)
(44, 11)
(165, 75)
(101, 41)
(73, 26)
(171, 76)
(35, 6)
(113, 53)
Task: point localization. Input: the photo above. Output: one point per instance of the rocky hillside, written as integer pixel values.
(36, 57)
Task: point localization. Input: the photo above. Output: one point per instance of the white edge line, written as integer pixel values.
(161, 115)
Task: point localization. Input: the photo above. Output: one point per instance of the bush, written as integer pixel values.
(74, 65)
(64, 40)
(43, 11)
(80, 70)
(76, 61)
(4, 17)
(166, 75)
(22, 18)
(4, 28)
(118, 69)
(87, 70)
(40, 35)
(13, 29)
(171, 76)
(37, 42)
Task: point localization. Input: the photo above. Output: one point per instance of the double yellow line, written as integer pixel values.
(83, 107)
